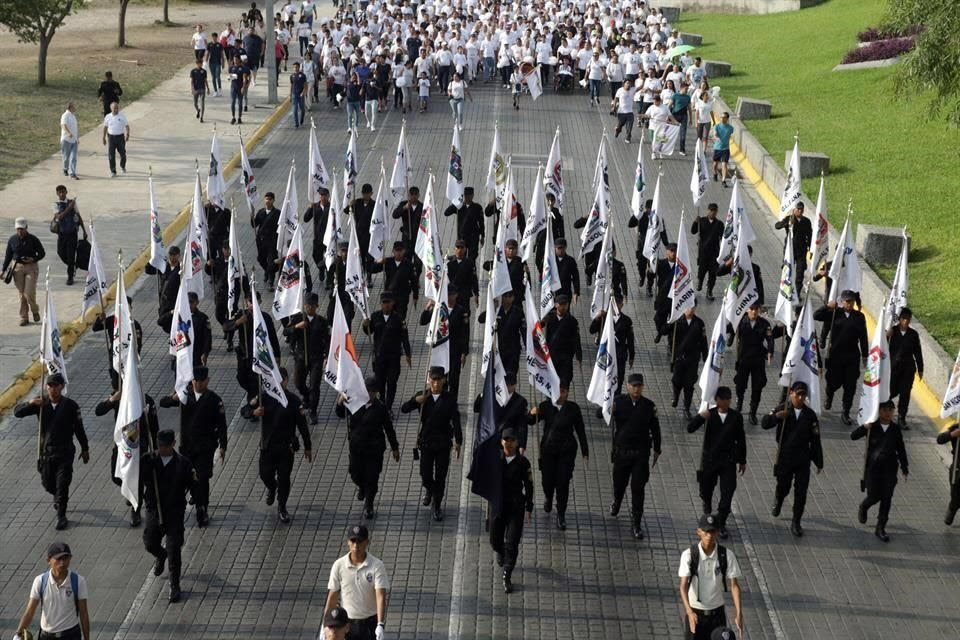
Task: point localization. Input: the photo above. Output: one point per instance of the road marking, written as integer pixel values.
(761, 579)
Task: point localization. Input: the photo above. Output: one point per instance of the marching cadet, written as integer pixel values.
(399, 278)
(906, 360)
(439, 424)
(60, 423)
(247, 380)
(167, 476)
(217, 270)
(368, 431)
(727, 268)
(513, 414)
(149, 427)
(643, 265)
(798, 444)
(265, 224)
(390, 340)
(459, 336)
(470, 224)
(563, 337)
(106, 324)
(362, 213)
(203, 426)
(278, 442)
(618, 274)
(848, 348)
(462, 273)
(202, 334)
(951, 435)
(169, 287)
(755, 350)
(661, 303)
(636, 429)
(709, 232)
(885, 452)
(318, 213)
(623, 330)
(218, 228)
(511, 331)
(568, 271)
(689, 347)
(724, 451)
(492, 210)
(409, 213)
(802, 233)
(562, 428)
(517, 269)
(338, 273)
(558, 231)
(309, 336)
(506, 527)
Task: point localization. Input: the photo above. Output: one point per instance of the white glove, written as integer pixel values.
(379, 634)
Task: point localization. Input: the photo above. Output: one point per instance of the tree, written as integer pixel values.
(166, 11)
(36, 21)
(932, 67)
(122, 30)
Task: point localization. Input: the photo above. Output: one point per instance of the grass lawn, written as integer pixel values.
(898, 167)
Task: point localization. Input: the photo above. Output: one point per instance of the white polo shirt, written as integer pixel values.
(357, 585)
(116, 124)
(59, 608)
(69, 121)
(706, 589)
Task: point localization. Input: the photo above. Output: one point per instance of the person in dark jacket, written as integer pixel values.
(906, 361)
(202, 334)
(636, 431)
(513, 414)
(623, 331)
(689, 347)
(506, 527)
(643, 265)
(362, 212)
(265, 223)
(724, 453)
(399, 278)
(218, 229)
(470, 224)
(563, 337)
(243, 324)
(709, 232)
(217, 269)
(459, 335)
(727, 268)
(557, 229)
(568, 271)
(848, 349)
(511, 331)
(390, 342)
(951, 436)
(169, 285)
(462, 273)
(23, 253)
(309, 336)
(409, 212)
(318, 213)
(801, 232)
(663, 274)
(798, 444)
(69, 224)
(885, 454)
(754, 338)
(368, 431)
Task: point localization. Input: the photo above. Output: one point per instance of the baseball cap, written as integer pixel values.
(58, 549)
(709, 522)
(336, 617)
(20, 223)
(358, 533)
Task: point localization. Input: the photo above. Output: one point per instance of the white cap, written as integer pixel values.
(20, 223)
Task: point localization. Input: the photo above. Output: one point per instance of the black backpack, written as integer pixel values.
(694, 563)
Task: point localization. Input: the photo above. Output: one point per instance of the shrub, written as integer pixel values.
(885, 33)
(880, 50)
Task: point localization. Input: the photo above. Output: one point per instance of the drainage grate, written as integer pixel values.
(256, 163)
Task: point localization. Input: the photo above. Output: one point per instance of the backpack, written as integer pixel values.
(694, 563)
(74, 585)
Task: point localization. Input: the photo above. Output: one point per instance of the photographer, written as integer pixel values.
(24, 251)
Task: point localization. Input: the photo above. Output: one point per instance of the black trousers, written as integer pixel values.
(275, 469)
(635, 469)
(309, 379)
(746, 371)
(70, 634)
(660, 315)
(642, 264)
(799, 477)
(724, 475)
(365, 629)
(154, 543)
(364, 468)
(506, 529)
(846, 374)
(510, 358)
(434, 464)
(684, 377)
(880, 485)
(56, 473)
(954, 490)
(453, 376)
(707, 266)
(556, 471)
(117, 481)
(387, 372)
(562, 362)
(116, 144)
(67, 250)
(707, 621)
(245, 377)
(901, 384)
(203, 464)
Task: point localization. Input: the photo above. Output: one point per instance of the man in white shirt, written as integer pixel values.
(117, 130)
(704, 578)
(69, 138)
(61, 595)
(359, 583)
(623, 102)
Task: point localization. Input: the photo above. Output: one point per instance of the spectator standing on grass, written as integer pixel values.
(24, 251)
(69, 140)
(109, 92)
(61, 596)
(116, 131)
(199, 41)
(215, 62)
(199, 88)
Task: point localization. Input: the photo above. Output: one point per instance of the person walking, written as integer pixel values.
(216, 59)
(707, 571)
(906, 361)
(457, 90)
(885, 454)
(199, 87)
(390, 341)
(846, 352)
(709, 232)
(61, 596)
(359, 583)
(298, 94)
(950, 436)
(721, 148)
(199, 42)
(239, 81)
(516, 501)
(309, 337)
(354, 101)
(116, 129)
(755, 351)
(69, 223)
(69, 141)
(109, 92)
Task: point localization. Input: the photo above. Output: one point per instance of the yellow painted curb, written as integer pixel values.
(924, 396)
(70, 332)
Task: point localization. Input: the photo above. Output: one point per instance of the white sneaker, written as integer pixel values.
(124, 171)
(373, 128)
(683, 153)
(349, 130)
(111, 174)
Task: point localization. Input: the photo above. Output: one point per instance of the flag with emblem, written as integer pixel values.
(603, 278)
(319, 177)
(199, 220)
(191, 270)
(491, 350)
(290, 288)
(355, 283)
(334, 229)
(792, 192)
(289, 219)
(534, 83)
(96, 286)
(380, 219)
(438, 331)
(665, 136)
(350, 170)
(126, 428)
(712, 369)
(497, 170)
(597, 221)
(802, 362)
(845, 270)
(401, 167)
(263, 361)
(511, 205)
(485, 478)
(639, 190)
(820, 238)
(342, 368)
(897, 299)
(216, 187)
(681, 294)
(553, 176)
(181, 341)
(603, 382)
(536, 218)
(742, 290)
(499, 272)
(248, 180)
(543, 373)
(550, 274)
(123, 334)
(157, 253)
(951, 396)
(235, 272)
(787, 297)
(455, 170)
(51, 351)
(653, 239)
(735, 222)
(699, 179)
(601, 172)
(875, 386)
(428, 245)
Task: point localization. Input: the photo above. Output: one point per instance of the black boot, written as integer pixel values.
(134, 517)
(499, 558)
(777, 505)
(739, 406)
(753, 415)
(637, 528)
(159, 563)
(903, 423)
(283, 515)
(845, 417)
(174, 587)
(360, 495)
(507, 584)
(271, 496)
(203, 518)
(828, 402)
(615, 507)
(862, 514)
(561, 522)
(796, 529)
(548, 504)
(427, 498)
(710, 294)
(951, 514)
(62, 522)
(881, 532)
(437, 513)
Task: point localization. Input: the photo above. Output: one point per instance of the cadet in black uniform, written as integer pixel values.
(318, 213)
(618, 275)
(390, 340)
(491, 210)
(106, 324)
(362, 213)
(555, 219)
(368, 430)
(724, 450)
(203, 426)
(459, 338)
(309, 336)
(511, 331)
(709, 232)
(951, 435)
(636, 430)
(337, 285)
(563, 337)
(470, 224)
(623, 330)
(439, 424)
(848, 348)
(798, 444)
(168, 476)
(278, 441)
(562, 428)
(409, 213)
(218, 229)
(802, 232)
(754, 351)
(217, 269)
(513, 414)
(243, 324)
(265, 224)
(885, 452)
(462, 273)
(169, 287)
(642, 263)
(661, 303)
(202, 334)
(689, 348)
(506, 527)
(517, 269)
(906, 360)
(592, 257)
(399, 278)
(60, 423)
(757, 274)
(568, 271)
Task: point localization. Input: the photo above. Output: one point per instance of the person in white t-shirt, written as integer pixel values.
(61, 596)
(596, 72)
(69, 139)
(457, 90)
(117, 130)
(623, 104)
(705, 577)
(703, 105)
(199, 41)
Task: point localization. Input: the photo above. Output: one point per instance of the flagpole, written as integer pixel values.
(833, 317)
(43, 376)
(103, 312)
(159, 275)
(956, 450)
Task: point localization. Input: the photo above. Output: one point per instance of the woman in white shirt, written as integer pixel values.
(703, 104)
(457, 90)
(614, 75)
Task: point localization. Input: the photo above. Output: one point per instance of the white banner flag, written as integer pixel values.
(787, 297)
(496, 170)
(490, 314)
(181, 341)
(123, 335)
(51, 352)
(681, 294)
(319, 177)
(712, 369)
(333, 232)
(699, 179)
(455, 170)
(845, 270)
(534, 83)
(290, 288)
(901, 281)
(235, 272)
(875, 387)
(380, 219)
(741, 293)
(802, 363)
(601, 172)
(653, 240)
(512, 214)
(192, 268)
(158, 254)
(603, 277)
(96, 286)
(951, 397)
(820, 238)
(536, 218)
(597, 221)
(603, 382)
(553, 176)
(289, 218)
(428, 245)
(499, 272)
(199, 220)
(401, 168)
(350, 170)
(639, 190)
(126, 428)
(355, 283)
(543, 374)
(549, 275)
(735, 223)
(665, 136)
(792, 192)
(247, 180)
(216, 187)
(342, 369)
(264, 362)
(438, 331)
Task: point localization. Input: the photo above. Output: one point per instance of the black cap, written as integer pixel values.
(312, 298)
(510, 377)
(437, 373)
(723, 633)
(723, 393)
(508, 434)
(468, 191)
(508, 292)
(386, 296)
(343, 245)
(560, 242)
(709, 522)
(366, 188)
(887, 404)
(510, 243)
(399, 245)
(336, 617)
(201, 373)
(800, 205)
(800, 385)
(269, 194)
(323, 191)
(370, 382)
(755, 304)
(906, 312)
(847, 294)
(671, 246)
(167, 436)
(358, 532)
(58, 549)
(55, 379)
(562, 298)
(635, 378)
(460, 244)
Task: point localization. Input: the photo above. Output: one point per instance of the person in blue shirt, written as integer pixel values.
(69, 224)
(239, 80)
(721, 148)
(298, 93)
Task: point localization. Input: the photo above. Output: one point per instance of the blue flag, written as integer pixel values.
(484, 473)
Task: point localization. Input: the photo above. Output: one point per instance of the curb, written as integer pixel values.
(71, 332)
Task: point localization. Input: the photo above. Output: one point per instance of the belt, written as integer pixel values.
(709, 613)
(72, 631)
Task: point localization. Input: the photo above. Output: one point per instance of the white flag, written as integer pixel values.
(126, 429)
(401, 168)
(951, 397)
(216, 187)
(653, 240)
(536, 218)
(499, 272)
(735, 223)
(665, 136)
(713, 366)
(428, 245)
(601, 172)
(455, 170)
(698, 181)
(123, 335)
(533, 83)
(199, 220)
(235, 272)
(96, 286)
(639, 191)
(438, 331)
(380, 219)
(820, 238)
(289, 218)
(802, 363)
(549, 275)
(597, 221)
(553, 176)
(350, 170)
(791, 188)
(543, 374)
(603, 382)
(875, 387)
(334, 229)
(490, 310)
(51, 352)
(342, 369)
(181, 341)
(355, 284)
(845, 270)
(898, 290)
(247, 179)
(157, 253)
(319, 177)
(682, 296)
(264, 361)
(742, 290)
(291, 286)
(787, 297)
(603, 277)
(496, 170)
(510, 206)
(192, 269)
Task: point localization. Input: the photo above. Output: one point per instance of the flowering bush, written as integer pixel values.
(875, 33)
(880, 50)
